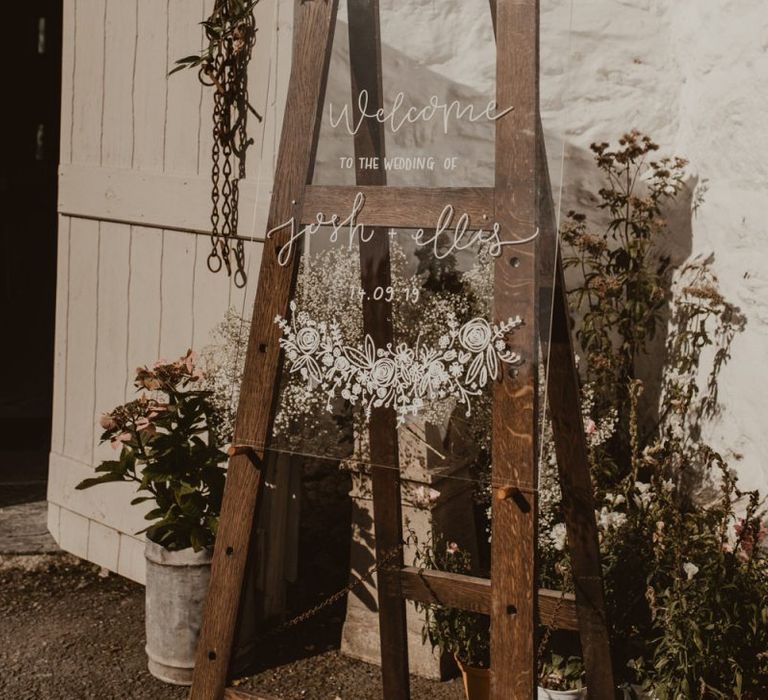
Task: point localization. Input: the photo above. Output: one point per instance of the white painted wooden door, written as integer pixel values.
(134, 205)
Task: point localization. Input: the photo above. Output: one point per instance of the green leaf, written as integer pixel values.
(95, 481)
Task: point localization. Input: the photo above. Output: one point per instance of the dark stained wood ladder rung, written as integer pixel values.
(474, 594)
(399, 207)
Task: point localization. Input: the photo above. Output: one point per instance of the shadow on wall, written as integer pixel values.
(582, 180)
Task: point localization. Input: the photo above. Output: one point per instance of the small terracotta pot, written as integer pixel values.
(477, 681)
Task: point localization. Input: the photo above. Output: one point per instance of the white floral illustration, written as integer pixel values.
(401, 377)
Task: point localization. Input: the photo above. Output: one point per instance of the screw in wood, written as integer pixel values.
(511, 610)
(262, 347)
(212, 656)
(515, 262)
(228, 551)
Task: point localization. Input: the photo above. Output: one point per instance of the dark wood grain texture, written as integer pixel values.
(366, 74)
(513, 554)
(572, 457)
(403, 207)
(570, 442)
(474, 594)
(315, 22)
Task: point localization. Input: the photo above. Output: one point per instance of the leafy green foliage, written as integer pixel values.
(225, 25)
(562, 672)
(684, 561)
(460, 633)
(169, 447)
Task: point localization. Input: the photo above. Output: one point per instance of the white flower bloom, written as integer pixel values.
(690, 569)
(558, 536)
(610, 519)
(424, 497)
(644, 494)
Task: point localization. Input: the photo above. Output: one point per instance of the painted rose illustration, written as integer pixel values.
(466, 358)
(475, 335)
(307, 339)
(383, 372)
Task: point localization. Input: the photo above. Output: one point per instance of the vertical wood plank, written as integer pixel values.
(210, 295)
(88, 81)
(184, 90)
(365, 64)
(263, 361)
(513, 556)
(177, 288)
(119, 57)
(69, 37)
(205, 108)
(111, 371)
(81, 340)
(62, 327)
(150, 82)
(144, 298)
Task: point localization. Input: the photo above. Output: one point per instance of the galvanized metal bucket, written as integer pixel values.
(177, 583)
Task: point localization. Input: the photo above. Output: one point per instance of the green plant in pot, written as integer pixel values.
(561, 677)
(459, 633)
(170, 449)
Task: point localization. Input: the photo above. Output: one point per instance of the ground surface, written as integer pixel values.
(70, 634)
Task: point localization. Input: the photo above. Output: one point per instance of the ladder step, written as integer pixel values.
(474, 594)
(399, 207)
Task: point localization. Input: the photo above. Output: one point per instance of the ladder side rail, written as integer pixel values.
(301, 124)
(514, 516)
(375, 270)
(572, 454)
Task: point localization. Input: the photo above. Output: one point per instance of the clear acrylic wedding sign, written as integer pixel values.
(448, 348)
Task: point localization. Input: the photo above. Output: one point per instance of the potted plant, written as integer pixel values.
(562, 677)
(458, 633)
(170, 448)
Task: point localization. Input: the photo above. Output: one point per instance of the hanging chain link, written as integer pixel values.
(387, 557)
(231, 31)
(549, 628)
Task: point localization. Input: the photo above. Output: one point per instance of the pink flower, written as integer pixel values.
(452, 548)
(107, 421)
(589, 426)
(188, 361)
(751, 535)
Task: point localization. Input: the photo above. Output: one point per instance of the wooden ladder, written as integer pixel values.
(528, 280)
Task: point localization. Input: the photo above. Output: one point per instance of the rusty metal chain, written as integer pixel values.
(231, 31)
(389, 555)
(548, 629)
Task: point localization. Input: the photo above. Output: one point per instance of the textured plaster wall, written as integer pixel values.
(691, 73)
